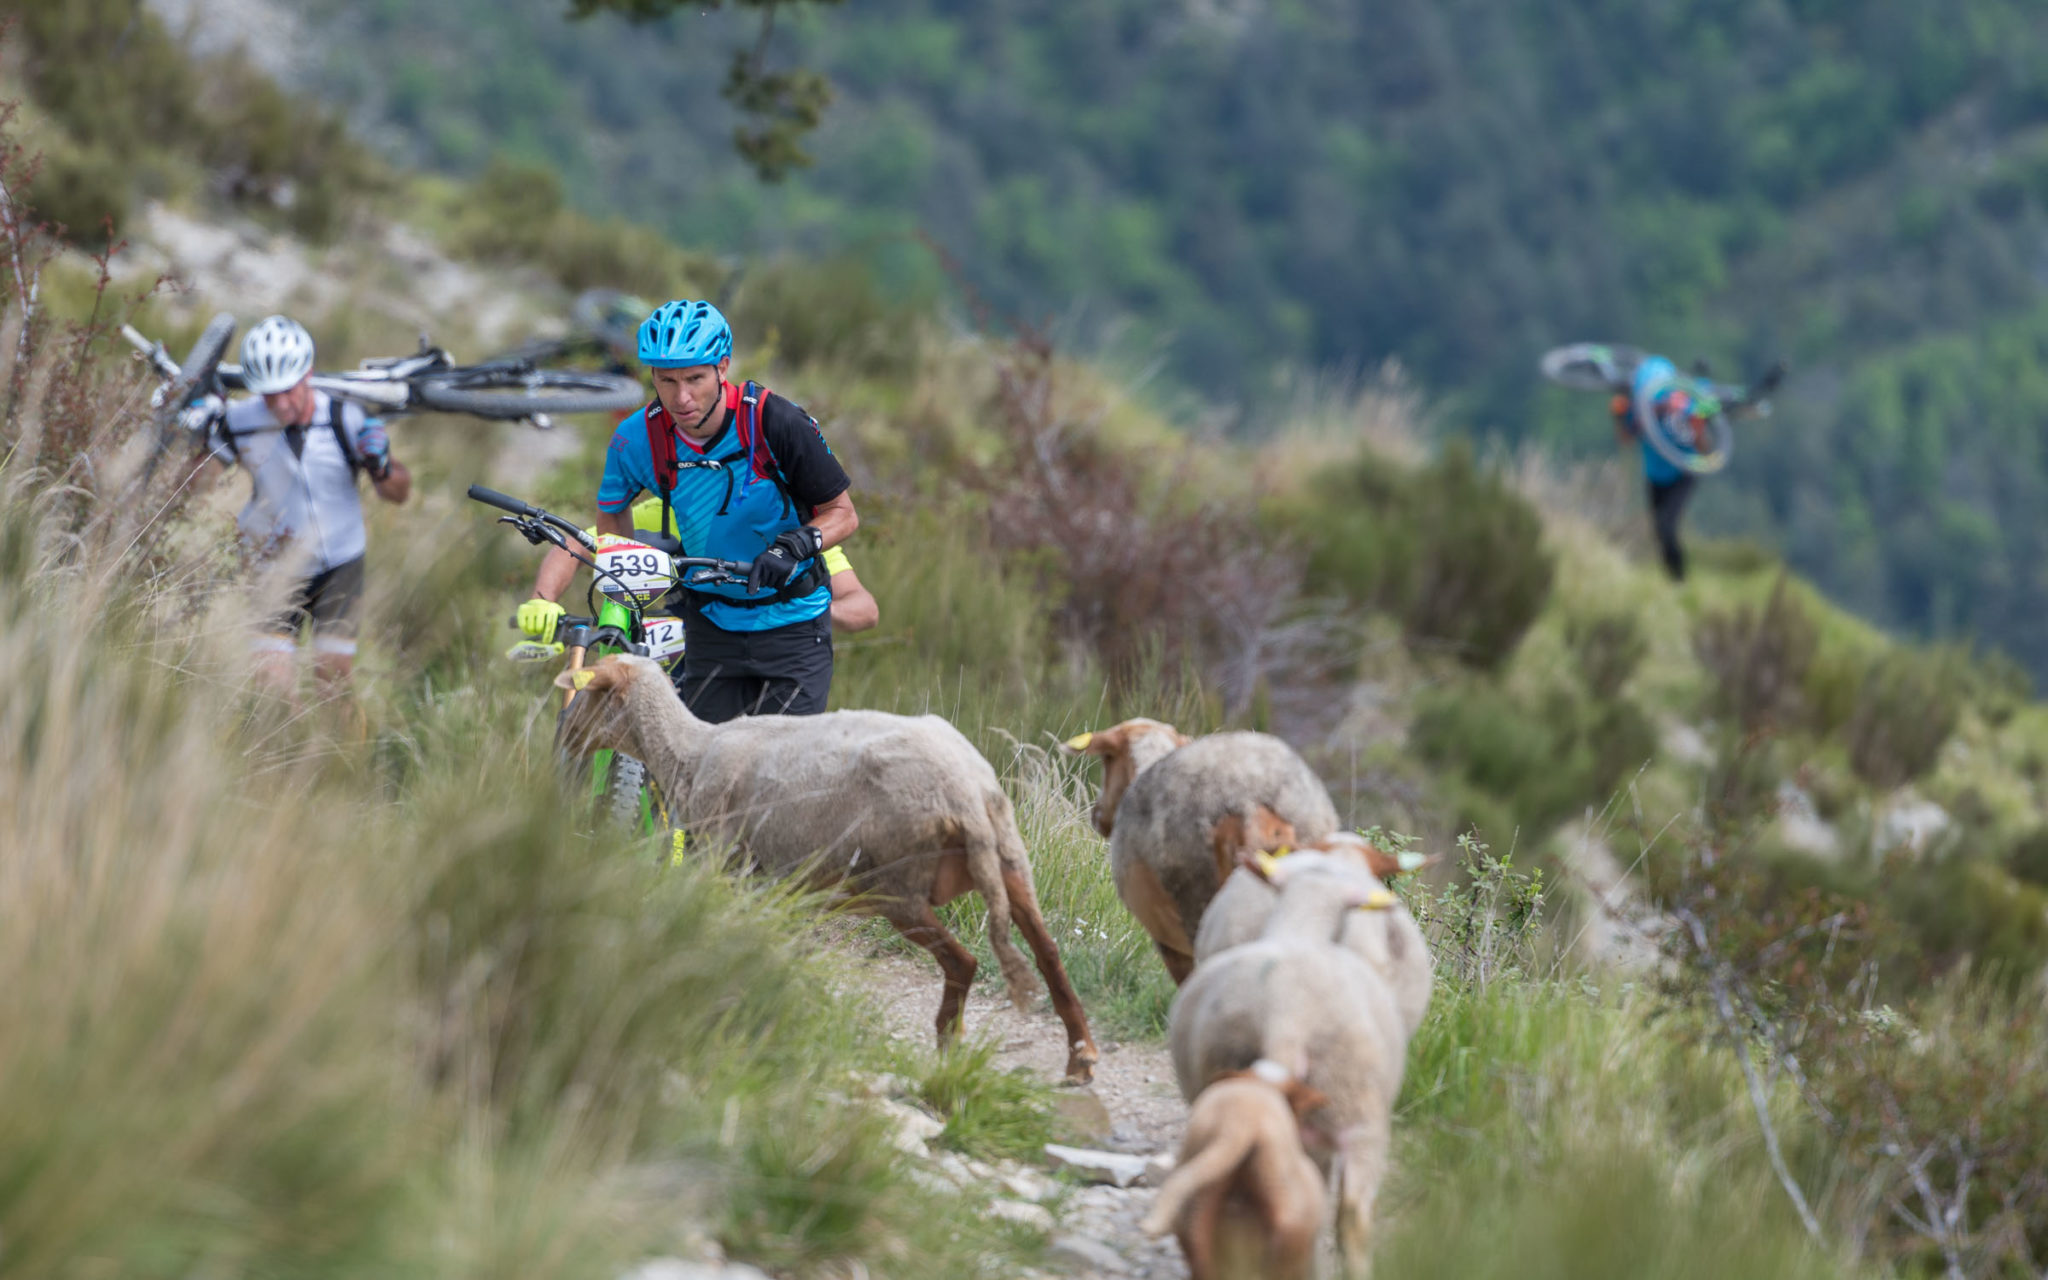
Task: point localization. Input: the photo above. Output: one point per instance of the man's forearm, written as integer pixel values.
(835, 521)
(557, 571)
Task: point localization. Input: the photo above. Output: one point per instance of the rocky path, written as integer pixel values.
(1133, 1107)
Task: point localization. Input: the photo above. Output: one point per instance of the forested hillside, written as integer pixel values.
(1251, 187)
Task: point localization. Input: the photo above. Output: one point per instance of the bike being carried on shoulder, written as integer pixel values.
(1611, 367)
(629, 578)
(511, 388)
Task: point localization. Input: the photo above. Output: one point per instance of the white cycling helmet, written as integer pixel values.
(276, 354)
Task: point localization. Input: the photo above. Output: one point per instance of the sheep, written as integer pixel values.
(1295, 996)
(1389, 940)
(1170, 810)
(1245, 1198)
(900, 814)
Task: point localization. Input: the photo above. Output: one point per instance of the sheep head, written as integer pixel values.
(597, 718)
(1127, 750)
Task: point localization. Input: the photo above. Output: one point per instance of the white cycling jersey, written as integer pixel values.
(305, 497)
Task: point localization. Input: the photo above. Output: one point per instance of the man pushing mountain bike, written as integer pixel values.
(742, 474)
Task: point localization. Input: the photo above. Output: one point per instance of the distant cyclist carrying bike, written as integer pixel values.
(1683, 410)
(303, 451)
(742, 474)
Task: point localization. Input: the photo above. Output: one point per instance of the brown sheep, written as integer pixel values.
(1246, 1200)
(1168, 803)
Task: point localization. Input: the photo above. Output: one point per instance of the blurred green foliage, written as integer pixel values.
(1458, 183)
(132, 107)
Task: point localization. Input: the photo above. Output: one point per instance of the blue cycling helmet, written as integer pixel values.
(682, 334)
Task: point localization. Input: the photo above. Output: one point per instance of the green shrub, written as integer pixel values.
(1905, 710)
(78, 189)
(1481, 572)
(835, 310)
(1606, 649)
(989, 1112)
(516, 213)
(1757, 660)
(2027, 858)
(1449, 549)
(1532, 762)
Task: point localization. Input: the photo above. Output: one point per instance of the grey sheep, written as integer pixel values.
(1389, 940)
(899, 813)
(1175, 815)
(1295, 997)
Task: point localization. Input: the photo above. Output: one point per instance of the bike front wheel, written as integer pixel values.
(515, 390)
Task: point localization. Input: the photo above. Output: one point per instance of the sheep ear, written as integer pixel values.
(1266, 866)
(1078, 744)
(1412, 861)
(1180, 739)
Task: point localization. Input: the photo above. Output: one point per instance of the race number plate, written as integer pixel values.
(635, 570)
(664, 639)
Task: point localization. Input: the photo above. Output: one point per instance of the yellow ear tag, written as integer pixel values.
(1379, 901)
(581, 677)
(1281, 852)
(1079, 742)
(1267, 863)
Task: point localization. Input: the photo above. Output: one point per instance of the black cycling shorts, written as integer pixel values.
(329, 602)
(783, 671)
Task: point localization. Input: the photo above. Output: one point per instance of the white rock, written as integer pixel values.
(955, 1168)
(1081, 1254)
(1686, 745)
(1157, 1167)
(1026, 1184)
(678, 1269)
(1912, 823)
(909, 1128)
(1037, 1217)
(882, 1084)
(1800, 825)
(1097, 1166)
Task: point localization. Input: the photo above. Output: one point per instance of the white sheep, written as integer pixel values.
(899, 813)
(1390, 940)
(1294, 996)
(1176, 810)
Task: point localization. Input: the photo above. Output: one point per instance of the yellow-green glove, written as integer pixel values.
(537, 618)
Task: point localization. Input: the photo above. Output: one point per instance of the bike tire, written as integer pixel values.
(195, 374)
(513, 392)
(1700, 462)
(1591, 366)
(625, 789)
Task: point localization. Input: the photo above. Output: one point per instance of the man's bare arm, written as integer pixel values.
(835, 520)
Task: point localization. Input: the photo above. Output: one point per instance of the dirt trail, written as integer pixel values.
(1134, 1083)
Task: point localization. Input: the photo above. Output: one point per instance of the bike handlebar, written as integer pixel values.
(503, 502)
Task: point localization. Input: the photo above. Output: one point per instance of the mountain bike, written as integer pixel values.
(1611, 367)
(509, 388)
(629, 578)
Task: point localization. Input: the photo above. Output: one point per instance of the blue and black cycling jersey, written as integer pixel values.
(733, 496)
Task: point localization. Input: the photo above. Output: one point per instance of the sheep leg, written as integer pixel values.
(1081, 1054)
(1361, 1164)
(1179, 964)
(916, 920)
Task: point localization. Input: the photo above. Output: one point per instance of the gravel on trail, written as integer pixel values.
(1097, 1233)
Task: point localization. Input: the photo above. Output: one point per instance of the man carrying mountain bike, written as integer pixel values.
(1683, 415)
(303, 451)
(741, 474)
